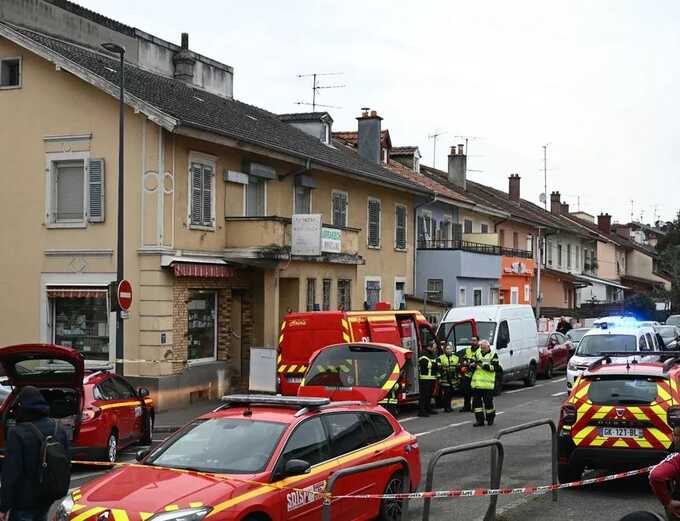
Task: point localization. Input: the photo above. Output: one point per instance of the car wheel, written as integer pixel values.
(549, 370)
(568, 473)
(112, 448)
(498, 384)
(390, 509)
(530, 380)
(147, 434)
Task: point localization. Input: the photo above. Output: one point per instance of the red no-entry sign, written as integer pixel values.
(124, 294)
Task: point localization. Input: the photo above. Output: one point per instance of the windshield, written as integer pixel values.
(673, 320)
(485, 330)
(594, 345)
(577, 334)
(351, 366)
(666, 331)
(222, 445)
(622, 391)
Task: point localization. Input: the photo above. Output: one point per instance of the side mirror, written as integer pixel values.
(141, 454)
(296, 467)
(142, 392)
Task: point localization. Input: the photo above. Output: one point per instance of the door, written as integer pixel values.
(399, 295)
(115, 405)
(505, 348)
(308, 442)
(132, 413)
(235, 340)
(561, 349)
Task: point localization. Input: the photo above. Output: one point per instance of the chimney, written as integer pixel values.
(564, 209)
(513, 187)
(604, 222)
(458, 167)
(555, 206)
(184, 62)
(369, 135)
(623, 231)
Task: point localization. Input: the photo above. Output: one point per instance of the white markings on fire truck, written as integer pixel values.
(299, 498)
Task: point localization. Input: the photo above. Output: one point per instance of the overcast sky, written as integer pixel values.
(598, 81)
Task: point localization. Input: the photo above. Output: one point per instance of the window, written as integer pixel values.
(514, 295)
(515, 240)
(493, 296)
(374, 223)
(484, 228)
(503, 333)
(435, 289)
(426, 232)
(568, 255)
(372, 293)
(559, 255)
(346, 432)
(69, 191)
(344, 294)
(76, 189)
(311, 294)
(501, 238)
(462, 300)
(457, 232)
(399, 291)
(202, 200)
(80, 319)
(578, 257)
(548, 246)
(303, 199)
(256, 196)
(467, 226)
(339, 204)
(527, 294)
(125, 390)
(643, 343)
(308, 443)
(622, 390)
(530, 243)
(477, 297)
(326, 295)
(445, 227)
(400, 227)
(383, 428)
(566, 293)
(108, 390)
(202, 316)
(10, 73)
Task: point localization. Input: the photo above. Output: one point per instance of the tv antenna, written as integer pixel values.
(316, 87)
(434, 137)
(467, 151)
(545, 176)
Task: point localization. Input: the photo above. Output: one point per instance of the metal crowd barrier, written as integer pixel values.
(553, 450)
(495, 477)
(406, 484)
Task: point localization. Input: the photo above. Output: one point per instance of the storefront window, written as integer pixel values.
(80, 319)
(202, 308)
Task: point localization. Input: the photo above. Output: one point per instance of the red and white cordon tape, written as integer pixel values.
(477, 492)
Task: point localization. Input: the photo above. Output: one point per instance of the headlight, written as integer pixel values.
(64, 509)
(189, 514)
(572, 366)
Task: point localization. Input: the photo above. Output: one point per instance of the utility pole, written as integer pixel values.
(434, 137)
(539, 262)
(316, 87)
(632, 207)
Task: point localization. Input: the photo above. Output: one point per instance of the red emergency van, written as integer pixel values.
(302, 334)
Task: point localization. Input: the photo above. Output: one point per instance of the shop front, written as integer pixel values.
(516, 280)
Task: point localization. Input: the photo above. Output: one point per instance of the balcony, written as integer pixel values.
(270, 237)
(474, 247)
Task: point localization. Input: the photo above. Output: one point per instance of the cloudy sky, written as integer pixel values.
(598, 81)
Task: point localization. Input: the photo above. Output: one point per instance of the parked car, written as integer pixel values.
(101, 412)
(554, 350)
(576, 334)
(673, 320)
(670, 335)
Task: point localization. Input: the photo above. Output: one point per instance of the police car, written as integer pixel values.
(619, 415)
(259, 458)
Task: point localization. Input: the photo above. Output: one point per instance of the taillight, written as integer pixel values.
(568, 415)
(90, 413)
(674, 416)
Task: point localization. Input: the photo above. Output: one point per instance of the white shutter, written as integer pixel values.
(97, 192)
(207, 217)
(196, 217)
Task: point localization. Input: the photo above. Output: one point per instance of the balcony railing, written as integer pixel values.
(474, 247)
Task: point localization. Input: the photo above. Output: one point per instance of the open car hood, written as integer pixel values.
(42, 365)
(359, 371)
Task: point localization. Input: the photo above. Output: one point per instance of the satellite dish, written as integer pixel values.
(541, 198)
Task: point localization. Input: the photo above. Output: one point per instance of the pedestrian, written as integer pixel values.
(469, 356)
(428, 368)
(664, 479)
(563, 326)
(483, 383)
(31, 477)
(449, 367)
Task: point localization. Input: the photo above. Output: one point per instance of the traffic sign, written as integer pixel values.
(124, 294)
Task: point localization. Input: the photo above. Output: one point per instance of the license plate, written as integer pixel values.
(294, 379)
(620, 432)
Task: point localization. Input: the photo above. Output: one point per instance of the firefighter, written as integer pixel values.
(469, 356)
(449, 367)
(391, 401)
(483, 383)
(428, 370)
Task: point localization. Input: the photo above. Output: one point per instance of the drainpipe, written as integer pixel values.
(415, 236)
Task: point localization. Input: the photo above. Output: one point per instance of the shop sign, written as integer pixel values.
(331, 240)
(306, 236)
(518, 268)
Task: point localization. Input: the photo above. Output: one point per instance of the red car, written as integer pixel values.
(101, 412)
(268, 458)
(554, 350)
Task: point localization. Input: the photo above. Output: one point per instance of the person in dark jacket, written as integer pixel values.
(22, 458)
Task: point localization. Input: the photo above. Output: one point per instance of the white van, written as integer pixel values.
(511, 331)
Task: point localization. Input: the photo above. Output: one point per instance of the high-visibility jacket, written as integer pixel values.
(449, 368)
(391, 397)
(469, 356)
(484, 376)
(428, 368)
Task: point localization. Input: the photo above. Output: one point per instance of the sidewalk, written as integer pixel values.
(170, 421)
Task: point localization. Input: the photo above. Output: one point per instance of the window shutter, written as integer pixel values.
(196, 181)
(421, 228)
(373, 223)
(401, 228)
(207, 218)
(97, 194)
(457, 232)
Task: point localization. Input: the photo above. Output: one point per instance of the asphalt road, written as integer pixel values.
(527, 463)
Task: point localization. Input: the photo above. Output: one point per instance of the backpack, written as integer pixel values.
(54, 472)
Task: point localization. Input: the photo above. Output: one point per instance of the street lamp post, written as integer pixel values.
(120, 50)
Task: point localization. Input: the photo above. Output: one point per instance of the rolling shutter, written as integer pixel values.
(97, 192)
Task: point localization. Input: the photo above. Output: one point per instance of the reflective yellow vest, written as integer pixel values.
(449, 368)
(469, 356)
(428, 375)
(483, 378)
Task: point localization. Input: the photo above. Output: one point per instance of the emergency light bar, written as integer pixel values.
(286, 401)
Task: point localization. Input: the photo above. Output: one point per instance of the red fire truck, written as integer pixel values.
(304, 333)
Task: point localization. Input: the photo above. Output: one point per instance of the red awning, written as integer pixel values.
(205, 271)
(76, 293)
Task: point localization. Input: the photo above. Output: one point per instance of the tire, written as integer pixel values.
(498, 384)
(147, 435)
(549, 371)
(390, 509)
(530, 380)
(111, 451)
(568, 473)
